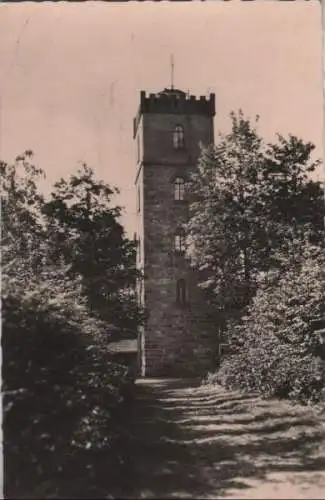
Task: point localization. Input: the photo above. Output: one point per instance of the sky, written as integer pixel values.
(71, 75)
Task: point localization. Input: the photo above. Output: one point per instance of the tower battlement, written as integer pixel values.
(174, 101)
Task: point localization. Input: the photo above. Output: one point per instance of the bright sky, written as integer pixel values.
(70, 75)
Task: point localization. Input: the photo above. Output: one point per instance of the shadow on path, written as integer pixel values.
(194, 442)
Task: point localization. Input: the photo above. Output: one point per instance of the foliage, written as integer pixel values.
(274, 348)
(63, 392)
(84, 228)
(255, 234)
(250, 202)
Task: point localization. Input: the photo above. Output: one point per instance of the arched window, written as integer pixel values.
(178, 137)
(179, 189)
(180, 291)
(180, 243)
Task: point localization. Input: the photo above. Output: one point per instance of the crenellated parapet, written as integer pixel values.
(174, 101)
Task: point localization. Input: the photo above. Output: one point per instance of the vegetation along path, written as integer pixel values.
(205, 442)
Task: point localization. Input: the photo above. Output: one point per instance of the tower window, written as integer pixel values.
(178, 137)
(180, 291)
(180, 243)
(138, 200)
(179, 189)
(139, 290)
(139, 249)
(138, 148)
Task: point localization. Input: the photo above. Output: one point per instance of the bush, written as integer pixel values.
(63, 393)
(62, 398)
(281, 373)
(274, 348)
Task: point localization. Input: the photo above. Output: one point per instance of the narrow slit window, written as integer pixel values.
(181, 291)
(139, 292)
(138, 148)
(179, 189)
(139, 249)
(178, 137)
(138, 200)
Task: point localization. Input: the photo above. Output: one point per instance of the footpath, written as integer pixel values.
(205, 442)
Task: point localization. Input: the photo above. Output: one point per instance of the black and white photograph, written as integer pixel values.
(162, 244)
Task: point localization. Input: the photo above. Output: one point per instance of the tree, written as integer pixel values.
(84, 228)
(62, 389)
(274, 346)
(20, 203)
(41, 303)
(250, 202)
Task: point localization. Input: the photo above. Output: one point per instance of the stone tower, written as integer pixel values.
(168, 129)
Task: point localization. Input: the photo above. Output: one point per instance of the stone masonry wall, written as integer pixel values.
(177, 338)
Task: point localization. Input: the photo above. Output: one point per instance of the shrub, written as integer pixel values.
(274, 348)
(63, 393)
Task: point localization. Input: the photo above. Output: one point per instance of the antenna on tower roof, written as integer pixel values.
(172, 70)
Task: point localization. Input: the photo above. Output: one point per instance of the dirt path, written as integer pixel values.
(198, 442)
